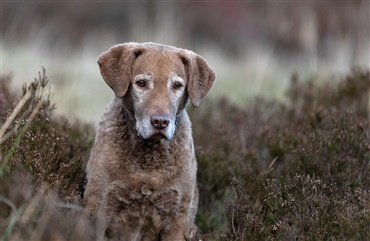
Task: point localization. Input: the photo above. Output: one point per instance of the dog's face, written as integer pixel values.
(158, 92)
(155, 82)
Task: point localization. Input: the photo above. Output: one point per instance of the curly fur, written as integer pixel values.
(143, 189)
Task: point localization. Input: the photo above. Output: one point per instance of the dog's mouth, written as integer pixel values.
(147, 131)
(157, 135)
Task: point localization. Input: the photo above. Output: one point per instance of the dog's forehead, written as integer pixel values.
(159, 60)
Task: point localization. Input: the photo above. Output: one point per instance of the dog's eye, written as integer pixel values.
(141, 83)
(177, 85)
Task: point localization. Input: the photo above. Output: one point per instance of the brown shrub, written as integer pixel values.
(304, 208)
(319, 140)
(42, 169)
(49, 148)
(269, 171)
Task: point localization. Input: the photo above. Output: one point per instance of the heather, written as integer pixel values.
(292, 169)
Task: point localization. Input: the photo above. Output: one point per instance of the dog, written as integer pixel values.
(141, 175)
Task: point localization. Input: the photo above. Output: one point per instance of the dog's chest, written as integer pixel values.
(142, 206)
(149, 164)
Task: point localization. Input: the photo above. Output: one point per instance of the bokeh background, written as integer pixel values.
(253, 46)
(282, 142)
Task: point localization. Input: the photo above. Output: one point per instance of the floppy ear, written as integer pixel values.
(200, 77)
(115, 66)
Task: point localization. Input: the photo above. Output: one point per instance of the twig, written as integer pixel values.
(9, 134)
(16, 213)
(32, 116)
(8, 202)
(15, 112)
(70, 206)
(42, 223)
(19, 137)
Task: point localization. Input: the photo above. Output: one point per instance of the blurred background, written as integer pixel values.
(254, 47)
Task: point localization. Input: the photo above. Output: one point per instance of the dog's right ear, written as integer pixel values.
(115, 66)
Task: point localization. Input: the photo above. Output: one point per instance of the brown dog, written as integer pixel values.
(142, 170)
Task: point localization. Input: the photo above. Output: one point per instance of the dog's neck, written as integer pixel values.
(143, 149)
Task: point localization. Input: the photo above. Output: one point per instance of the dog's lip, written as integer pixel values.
(157, 135)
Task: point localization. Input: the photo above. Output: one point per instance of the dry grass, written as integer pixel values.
(42, 163)
(298, 170)
(268, 171)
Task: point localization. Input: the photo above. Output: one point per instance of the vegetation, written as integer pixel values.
(297, 170)
(42, 168)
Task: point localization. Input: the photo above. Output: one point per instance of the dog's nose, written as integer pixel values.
(160, 121)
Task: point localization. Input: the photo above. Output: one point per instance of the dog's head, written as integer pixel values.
(155, 82)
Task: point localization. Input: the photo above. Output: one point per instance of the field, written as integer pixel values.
(282, 142)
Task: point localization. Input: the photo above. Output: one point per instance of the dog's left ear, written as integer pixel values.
(200, 76)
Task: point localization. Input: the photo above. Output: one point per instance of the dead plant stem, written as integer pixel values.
(19, 137)
(15, 112)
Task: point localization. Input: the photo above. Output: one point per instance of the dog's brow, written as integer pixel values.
(177, 78)
(174, 77)
(142, 76)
